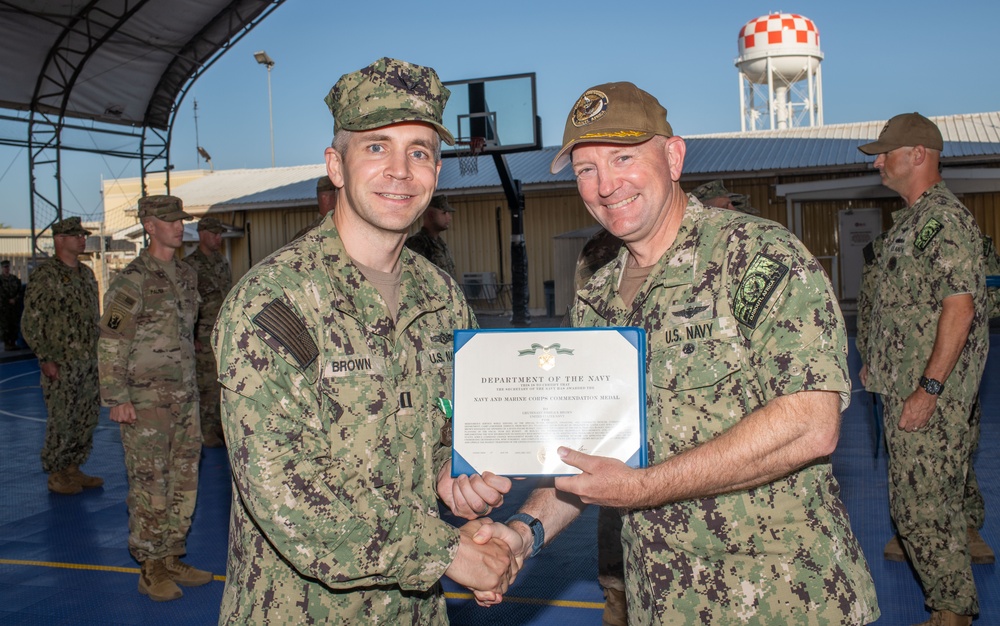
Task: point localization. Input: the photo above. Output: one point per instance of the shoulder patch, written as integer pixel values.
(278, 319)
(927, 233)
(869, 253)
(121, 310)
(758, 283)
(987, 246)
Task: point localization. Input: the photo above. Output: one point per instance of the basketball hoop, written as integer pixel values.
(468, 155)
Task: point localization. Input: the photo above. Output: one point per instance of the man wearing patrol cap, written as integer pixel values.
(736, 520)
(335, 358)
(10, 291)
(326, 202)
(214, 281)
(147, 369)
(928, 340)
(427, 242)
(60, 326)
(713, 194)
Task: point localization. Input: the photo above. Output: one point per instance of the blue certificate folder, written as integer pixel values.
(519, 394)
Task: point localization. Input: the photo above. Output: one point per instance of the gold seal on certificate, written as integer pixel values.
(521, 394)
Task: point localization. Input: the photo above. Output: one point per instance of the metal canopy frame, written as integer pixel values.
(103, 46)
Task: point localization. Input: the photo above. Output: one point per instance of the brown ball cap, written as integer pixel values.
(612, 113)
(906, 130)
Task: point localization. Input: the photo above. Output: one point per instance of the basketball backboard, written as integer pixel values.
(502, 110)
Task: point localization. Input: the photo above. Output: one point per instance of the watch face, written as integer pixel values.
(931, 386)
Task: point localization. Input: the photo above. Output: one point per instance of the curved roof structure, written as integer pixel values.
(114, 61)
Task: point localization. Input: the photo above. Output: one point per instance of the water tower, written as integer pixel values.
(781, 85)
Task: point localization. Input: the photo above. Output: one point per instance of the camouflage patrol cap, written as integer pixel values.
(5, 263)
(70, 226)
(708, 191)
(440, 201)
(166, 208)
(323, 183)
(905, 130)
(211, 224)
(612, 113)
(388, 92)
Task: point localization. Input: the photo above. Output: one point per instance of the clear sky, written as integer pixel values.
(881, 58)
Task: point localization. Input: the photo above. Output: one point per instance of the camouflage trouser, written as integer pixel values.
(162, 451)
(74, 405)
(928, 474)
(209, 389)
(610, 553)
(975, 507)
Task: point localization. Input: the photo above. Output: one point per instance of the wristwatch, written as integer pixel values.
(537, 530)
(931, 386)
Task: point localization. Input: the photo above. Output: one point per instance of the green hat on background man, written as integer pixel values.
(5, 263)
(906, 130)
(612, 113)
(440, 201)
(70, 226)
(211, 224)
(323, 183)
(388, 92)
(708, 191)
(166, 208)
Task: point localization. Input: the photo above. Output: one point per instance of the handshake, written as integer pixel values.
(490, 554)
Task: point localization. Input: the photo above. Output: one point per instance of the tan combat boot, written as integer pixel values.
(615, 609)
(183, 574)
(980, 551)
(947, 618)
(86, 481)
(154, 581)
(894, 550)
(65, 483)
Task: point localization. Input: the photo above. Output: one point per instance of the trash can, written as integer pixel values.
(550, 298)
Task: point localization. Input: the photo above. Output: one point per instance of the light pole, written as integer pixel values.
(263, 59)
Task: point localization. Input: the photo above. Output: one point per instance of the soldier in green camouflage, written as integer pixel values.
(992, 260)
(147, 372)
(60, 325)
(334, 355)
(326, 202)
(10, 292)
(927, 344)
(214, 281)
(737, 518)
(427, 242)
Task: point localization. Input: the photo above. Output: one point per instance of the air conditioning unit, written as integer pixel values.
(480, 285)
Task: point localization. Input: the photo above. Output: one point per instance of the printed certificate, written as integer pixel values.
(520, 394)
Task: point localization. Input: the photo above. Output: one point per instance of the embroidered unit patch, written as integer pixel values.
(759, 282)
(927, 233)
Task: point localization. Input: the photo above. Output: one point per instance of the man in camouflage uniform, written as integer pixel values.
(927, 344)
(10, 292)
(737, 519)
(147, 369)
(326, 202)
(214, 280)
(335, 357)
(427, 242)
(60, 326)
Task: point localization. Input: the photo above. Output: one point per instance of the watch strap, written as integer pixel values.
(537, 530)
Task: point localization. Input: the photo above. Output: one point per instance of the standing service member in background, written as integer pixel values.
(214, 281)
(60, 325)
(427, 242)
(335, 357)
(928, 338)
(10, 292)
(147, 368)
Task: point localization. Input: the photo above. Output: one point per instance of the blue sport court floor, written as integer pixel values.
(63, 559)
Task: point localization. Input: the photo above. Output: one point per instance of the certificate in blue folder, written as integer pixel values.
(520, 394)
